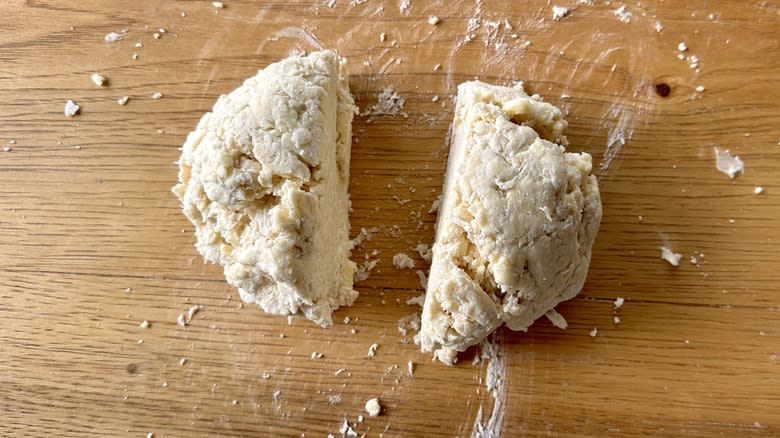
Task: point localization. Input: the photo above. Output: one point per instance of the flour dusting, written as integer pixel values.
(494, 351)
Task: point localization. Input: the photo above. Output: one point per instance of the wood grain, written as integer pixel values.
(93, 242)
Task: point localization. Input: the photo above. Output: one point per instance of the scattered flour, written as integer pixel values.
(389, 103)
(493, 350)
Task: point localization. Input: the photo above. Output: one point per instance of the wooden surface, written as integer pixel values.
(93, 241)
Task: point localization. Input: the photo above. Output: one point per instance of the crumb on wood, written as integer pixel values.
(372, 350)
(98, 79)
(71, 108)
(728, 164)
(623, 14)
(670, 256)
(403, 261)
(558, 12)
(373, 407)
(113, 37)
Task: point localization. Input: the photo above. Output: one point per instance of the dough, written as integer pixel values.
(264, 179)
(516, 224)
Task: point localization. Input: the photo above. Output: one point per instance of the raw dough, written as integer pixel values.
(516, 224)
(264, 180)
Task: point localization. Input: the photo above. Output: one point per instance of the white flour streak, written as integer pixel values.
(494, 351)
(298, 34)
(620, 132)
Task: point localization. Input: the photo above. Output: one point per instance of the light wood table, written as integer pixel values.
(93, 242)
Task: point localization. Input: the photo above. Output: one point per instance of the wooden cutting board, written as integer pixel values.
(93, 242)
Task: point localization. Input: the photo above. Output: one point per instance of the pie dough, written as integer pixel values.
(517, 221)
(264, 179)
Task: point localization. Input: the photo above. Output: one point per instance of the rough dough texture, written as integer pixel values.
(517, 221)
(264, 179)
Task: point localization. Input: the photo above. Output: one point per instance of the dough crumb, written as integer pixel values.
(435, 205)
(365, 235)
(316, 355)
(123, 100)
(594, 332)
(728, 164)
(71, 108)
(144, 324)
(425, 251)
(373, 407)
(218, 5)
(423, 284)
(672, 257)
(619, 302)
(363, 271)
(623, 14)
(410, 367)
(403, 261)
(182, 361)
(157, 95)
(409, 323)
(184, 318)
(113, 37)
(559, 12)
(98, 79)
(682, 47)
(346, 429)
(616, 319)
(372, 350)
(758, 190)
(433, 20)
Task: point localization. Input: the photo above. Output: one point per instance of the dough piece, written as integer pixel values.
(264, 179)
(516, 224)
